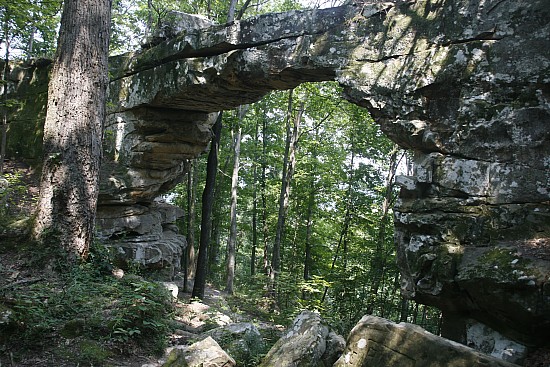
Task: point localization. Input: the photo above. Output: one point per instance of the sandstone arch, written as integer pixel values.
(464, 84)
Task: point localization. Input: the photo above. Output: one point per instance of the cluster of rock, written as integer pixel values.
(464, 84)
(309, 342)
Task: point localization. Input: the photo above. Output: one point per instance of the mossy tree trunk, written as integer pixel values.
(73, 127)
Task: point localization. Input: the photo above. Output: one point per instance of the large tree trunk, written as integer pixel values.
(73, 127)
(207, 203)
(232, 239)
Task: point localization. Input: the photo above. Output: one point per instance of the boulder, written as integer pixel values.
(304, 344)
(375, 341)
(242, 340)
(205, 353)
(486, 340)
(144, 235)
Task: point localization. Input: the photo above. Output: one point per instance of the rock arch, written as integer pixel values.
(464, 84)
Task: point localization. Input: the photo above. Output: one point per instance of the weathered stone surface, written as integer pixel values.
(375, 341)
(205, 353)
(484, 339)
(335, 345)
(304, 344)
(146, 235)
(240, 340)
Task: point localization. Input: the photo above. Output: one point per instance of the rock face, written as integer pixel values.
(206, 353)
(305, 344)
(240, 340)
(463, 84)
(378, 342)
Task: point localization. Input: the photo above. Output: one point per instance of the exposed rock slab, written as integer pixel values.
(304, 344)
(205, 353)
(375, 341)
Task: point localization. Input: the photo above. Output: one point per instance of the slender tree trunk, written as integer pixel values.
(289, 163)
(217, 217)
(263, 186)
(404, 314)
(245, 6)
(5, 73)
(347, 217)
(378, 264)
(232, 239)
(231, 12)
(73, 128)
(254, 205)
(189, 252)
(207, 203)
(31, 43)
(309, 213)
(149, 25)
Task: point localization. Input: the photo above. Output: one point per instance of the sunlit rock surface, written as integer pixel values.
(465, 85)
(307, 342)
(375, 341)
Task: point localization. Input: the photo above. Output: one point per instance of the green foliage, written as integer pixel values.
(95, 312)
(12, 188)
(30, 23)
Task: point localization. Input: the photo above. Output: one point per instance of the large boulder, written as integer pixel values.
(377, 342)
(205, 353)
(143, 234)
(304, 344)
(242, 341)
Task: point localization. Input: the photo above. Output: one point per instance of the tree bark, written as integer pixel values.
(231, 12)
(207, 203)
(289, 163)
(232, 239)
(189, 258)
(5, 73)
(74, 126)
(254, 205)
(309, 212)
(263, 187)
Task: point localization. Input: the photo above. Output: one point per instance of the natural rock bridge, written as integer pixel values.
(464, 84)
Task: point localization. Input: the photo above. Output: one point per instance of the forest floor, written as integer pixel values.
(40, 324)
(59, 346)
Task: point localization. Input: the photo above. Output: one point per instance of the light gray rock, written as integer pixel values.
(375, 341)
(304, 344)
(484, 339)
(242, 341)
(144, 235)
(205, 353)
